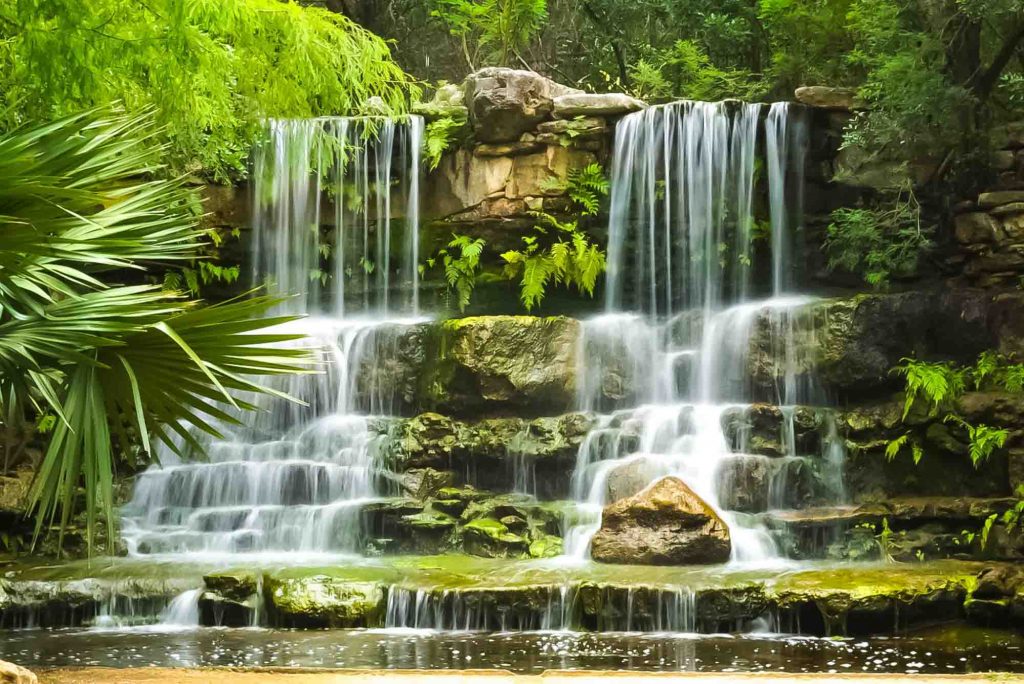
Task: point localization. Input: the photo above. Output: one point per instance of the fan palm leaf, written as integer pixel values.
(119, 365)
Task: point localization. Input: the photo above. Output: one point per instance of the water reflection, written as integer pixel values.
(946, 651)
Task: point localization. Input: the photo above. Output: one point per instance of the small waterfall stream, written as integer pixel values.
(292, 478)
(673, 354)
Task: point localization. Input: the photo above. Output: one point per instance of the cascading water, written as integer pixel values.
(672, 358)
(293, 479)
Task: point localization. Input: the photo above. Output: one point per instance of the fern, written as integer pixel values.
(438, 136)
(586, 187)
(940, 384)
(461, 261)
(984, 439)
(894, 447)
(570, 259)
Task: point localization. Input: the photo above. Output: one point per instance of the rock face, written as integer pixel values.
(491, 449)
(14, 674)
(866, 336)
(665, 524)
(505, 103)
(520, 362)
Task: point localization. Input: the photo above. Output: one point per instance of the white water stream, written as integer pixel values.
(674, 351)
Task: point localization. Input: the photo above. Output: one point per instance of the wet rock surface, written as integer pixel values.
(512, 363)
(665, 524)
(817, 599)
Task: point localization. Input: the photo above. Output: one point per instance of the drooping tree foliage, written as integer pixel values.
(209, 68)
(114, 366)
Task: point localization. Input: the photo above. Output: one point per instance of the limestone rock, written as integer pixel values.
(508, 149)
(665, 524)
(324, 601)
(541, 173)
(1008, 209)
(825, 97)
(522, 362)
(631, 477)
(975, 227)
(15, 674)
(864, 337)
(420, 483)
(505, 103)
(233, 584)
(492, 539)
(595, 104)
(994, 199)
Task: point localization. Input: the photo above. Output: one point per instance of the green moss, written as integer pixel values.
(547, 546)
(429, 520)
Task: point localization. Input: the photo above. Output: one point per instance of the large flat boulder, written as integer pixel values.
(505, 103)
(595, 104)
(664, 524)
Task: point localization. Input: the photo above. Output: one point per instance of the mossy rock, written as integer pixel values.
(324, 601)
(236, 585)
(547, 546)
(523, 364)
(490, 538)
(429, 520)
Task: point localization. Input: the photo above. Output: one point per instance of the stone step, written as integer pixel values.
(902, 528)
(458, 592)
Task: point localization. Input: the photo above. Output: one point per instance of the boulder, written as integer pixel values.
(825, 97)
(665, 524)
(504, 103)
(631, 477)
(595, 104)
(15, 674)
(323, 601)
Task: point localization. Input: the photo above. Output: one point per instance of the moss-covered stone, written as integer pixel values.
(323, 601)
(491, 538)
(237, 585)
(547, 546)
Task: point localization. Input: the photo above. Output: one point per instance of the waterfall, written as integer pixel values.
(335, 216)
(339, 171)
(672, 357)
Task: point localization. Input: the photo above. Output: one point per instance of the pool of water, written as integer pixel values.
(938, 651)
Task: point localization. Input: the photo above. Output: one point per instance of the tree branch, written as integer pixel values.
(985, 82)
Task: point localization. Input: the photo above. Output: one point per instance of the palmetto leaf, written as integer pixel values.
(118, 365)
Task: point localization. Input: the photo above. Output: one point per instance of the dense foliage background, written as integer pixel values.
(930, 73)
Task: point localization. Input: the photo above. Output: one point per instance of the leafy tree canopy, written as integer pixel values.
(209, 68)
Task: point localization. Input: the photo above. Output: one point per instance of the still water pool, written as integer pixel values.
(937, 651)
